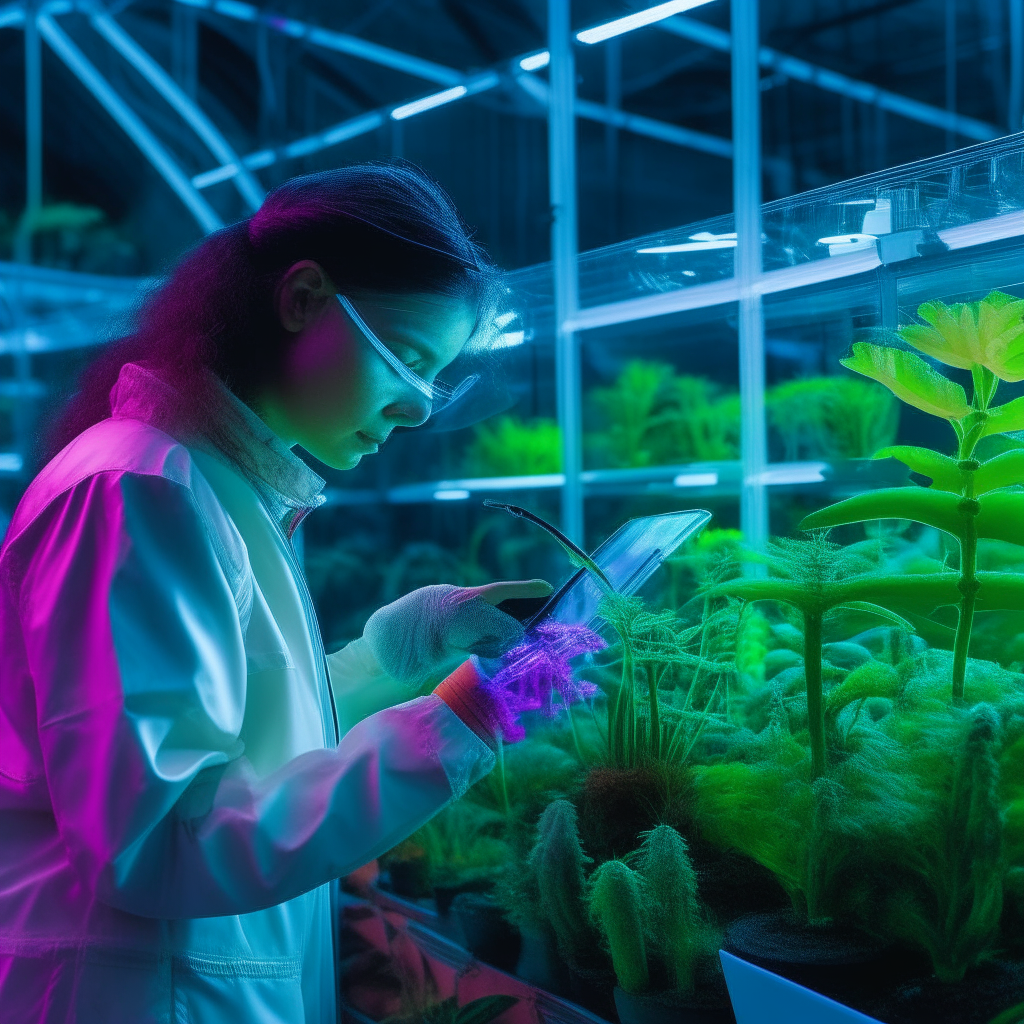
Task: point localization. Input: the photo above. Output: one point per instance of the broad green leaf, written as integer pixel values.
(910, 379)
(988, 333)
(920, 504)
(876, 609)
(921, 593)
(1004, 418)
(943, 471)
(485, 1009)
(1002, 516)
(933, 633)
(1003, 471)
(872, 679)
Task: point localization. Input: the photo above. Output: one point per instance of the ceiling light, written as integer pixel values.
(599, 33)
(536, 61)
(719, 243)
(451, 495)
(437, 99)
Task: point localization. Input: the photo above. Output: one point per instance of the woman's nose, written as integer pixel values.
(408, 411)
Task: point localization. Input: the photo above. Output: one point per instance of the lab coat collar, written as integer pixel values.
(287, 486)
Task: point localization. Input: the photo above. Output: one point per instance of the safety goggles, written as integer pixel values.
(438, 392)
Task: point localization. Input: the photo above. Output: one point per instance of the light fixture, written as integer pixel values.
(536, 61)
(610, 29)
(695, 480)
(437, 99)
(840, 244)
(698, 242)
(794, 473)
(454, 494)
(10, 462)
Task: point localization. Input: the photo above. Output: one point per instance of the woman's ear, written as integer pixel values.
(301, 295)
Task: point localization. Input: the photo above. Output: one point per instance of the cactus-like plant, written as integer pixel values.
(677, 926)
(557, 861)
(618, 904)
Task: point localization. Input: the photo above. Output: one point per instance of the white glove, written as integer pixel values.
(421, 633)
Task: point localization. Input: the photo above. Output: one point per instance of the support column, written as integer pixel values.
(746, 178)
(562, 192)
(1015, 108)
(951, 62)
(33, 136)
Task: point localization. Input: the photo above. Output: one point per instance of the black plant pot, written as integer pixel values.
(844, 964)
(539, 962)
(985, 992)
(488, 934)
(445, 894)
(409, 879)
(667, 1009)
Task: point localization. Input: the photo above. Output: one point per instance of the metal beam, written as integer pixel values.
(746, 190)
(248, 187)
(340, 42)
(130, 123)
(33, 136)
(564, 244)
(1015, 106)
(831, 81)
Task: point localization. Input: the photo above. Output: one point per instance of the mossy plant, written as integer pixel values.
(509, 446)
(618, 905)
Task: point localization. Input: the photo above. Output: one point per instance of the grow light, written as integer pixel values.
(697, 243)
(10, 462)
(536, 61)
(695, 480)
(437, 99)
(631, 22)
(455, 494)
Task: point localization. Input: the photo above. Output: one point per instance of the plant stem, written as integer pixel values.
(812, 675)
(652, 690)
(967, 585)
(499, 754)
(575, 735)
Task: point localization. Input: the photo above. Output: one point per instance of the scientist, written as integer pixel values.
(176, 794)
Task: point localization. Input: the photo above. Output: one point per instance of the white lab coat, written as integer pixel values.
(173, 801)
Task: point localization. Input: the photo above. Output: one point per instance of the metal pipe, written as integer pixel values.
(130, 123)
(746, 178)
(33, 136)
(562, 191)
(832, 81)
(1015, 107)
(248, 187)
(951, 68)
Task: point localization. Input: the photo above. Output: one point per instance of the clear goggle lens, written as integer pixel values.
(439, 393)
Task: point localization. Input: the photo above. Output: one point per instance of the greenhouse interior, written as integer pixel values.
(665, 665)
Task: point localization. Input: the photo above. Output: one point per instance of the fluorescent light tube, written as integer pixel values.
(695, 480)
(437, 99)
(451, 495)
(720, 243)
(536, 61)
(610, 29)
(794, 473)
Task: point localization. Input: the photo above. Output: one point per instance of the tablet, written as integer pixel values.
(629, 557)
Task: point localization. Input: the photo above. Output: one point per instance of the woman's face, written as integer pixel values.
(337, 397)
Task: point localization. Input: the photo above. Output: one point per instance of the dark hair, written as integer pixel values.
(373, 227)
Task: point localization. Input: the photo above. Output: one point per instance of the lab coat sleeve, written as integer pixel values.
(361, 687)
(136, 653)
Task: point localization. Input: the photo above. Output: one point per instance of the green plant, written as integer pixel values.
(967, 498)
(447, 1011)
(832, 417)
(557, 862)
(618, 905)
(652, 416)
(509, 447)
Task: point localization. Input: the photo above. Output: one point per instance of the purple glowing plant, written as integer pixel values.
(538, 668)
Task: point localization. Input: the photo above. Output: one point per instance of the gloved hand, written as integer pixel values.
(528, 679)
(421, 633)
